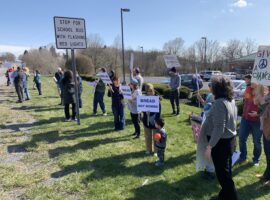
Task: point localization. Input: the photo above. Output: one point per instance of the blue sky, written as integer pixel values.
(150, 23)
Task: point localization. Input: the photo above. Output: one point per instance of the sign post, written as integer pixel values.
(261, 69)
(70, 33)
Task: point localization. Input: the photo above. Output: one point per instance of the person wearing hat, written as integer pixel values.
(58, 80)
(138, 77)
(25, 84)
(18, 82)
(175, 84)
(132, 106)
(250, 122)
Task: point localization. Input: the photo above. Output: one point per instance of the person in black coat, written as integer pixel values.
(69, 95)
(18, 82)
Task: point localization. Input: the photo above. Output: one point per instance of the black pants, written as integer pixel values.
(39, 88)
(222, 159)
(136, 122)
(73, 111)
(174, 99)
(19, 91)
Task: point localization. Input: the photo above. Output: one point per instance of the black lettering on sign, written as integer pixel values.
(61, 36)
(64, 21)
(77, 23)
(263, 53)
(63, 43)
(64, 29)
(80, 30)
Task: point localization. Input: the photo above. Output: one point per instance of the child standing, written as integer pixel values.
(132, 105)
(37, 81)
(117, 104)
(160, 141)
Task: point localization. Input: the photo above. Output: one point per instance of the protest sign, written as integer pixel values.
(70, 33)
(125, 89)
(171, 61)
(148, 104)
(261, 69)
(104, 77)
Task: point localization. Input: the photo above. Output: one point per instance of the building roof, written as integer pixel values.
(248, 58)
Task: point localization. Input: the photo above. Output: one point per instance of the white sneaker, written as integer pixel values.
(104, 114)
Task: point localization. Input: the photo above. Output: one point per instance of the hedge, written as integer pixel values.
(194, 99)
(89, 78)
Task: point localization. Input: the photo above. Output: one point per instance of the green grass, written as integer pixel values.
(90, 161)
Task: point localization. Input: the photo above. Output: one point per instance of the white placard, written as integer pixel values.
(70, 33)
(131, 62)
(148, 104)
(104, 77)
(261, 69)
(171, 61)
(126, 91)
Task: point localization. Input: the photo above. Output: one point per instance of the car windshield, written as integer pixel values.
(186, 77)
(236, 84)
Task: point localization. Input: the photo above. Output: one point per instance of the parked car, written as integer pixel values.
(239, 89)
(231, 75)
(210, 74)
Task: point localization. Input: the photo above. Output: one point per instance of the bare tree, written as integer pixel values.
(250, 46)
(174, 46)
(10, 57)
(233, 49)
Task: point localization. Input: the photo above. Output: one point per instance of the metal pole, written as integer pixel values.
(142, 57)
(205, 53)
(76, 86)
(66, 54)
(123, 51)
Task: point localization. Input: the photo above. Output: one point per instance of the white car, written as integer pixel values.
(210, 74)
(239, 89)
(231, 75)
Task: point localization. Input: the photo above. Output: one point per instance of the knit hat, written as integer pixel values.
(173, 69)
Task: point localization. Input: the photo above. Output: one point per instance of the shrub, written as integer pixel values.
(194, 100)
(88, 77)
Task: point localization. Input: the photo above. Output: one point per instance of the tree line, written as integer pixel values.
(151, 62)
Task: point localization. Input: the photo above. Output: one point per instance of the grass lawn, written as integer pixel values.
(91, 161)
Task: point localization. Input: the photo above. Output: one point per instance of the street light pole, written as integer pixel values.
(123, 50)
(142, 67)
(204, 38)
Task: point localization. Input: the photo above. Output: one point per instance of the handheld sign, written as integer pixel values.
(70, 33)
(148, 104)
(131, 62)
(126, 91)
(104, 77)
(261, 69)
(171, 61)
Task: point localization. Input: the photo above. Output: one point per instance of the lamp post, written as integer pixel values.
(204, 38)
(123, 50)
(142, 58)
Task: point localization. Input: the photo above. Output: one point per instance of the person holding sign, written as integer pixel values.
(118, 106)
(99, 95)
(175, 84)
(138, 77)
(149, 119)
(132, 105)
(250, 122)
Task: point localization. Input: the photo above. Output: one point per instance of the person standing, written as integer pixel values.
(138, 77)
(118, 105)
(175, 84)
(37, 81)
(69, 95)
(58, 79)
(132, 105)
(25, 84)
(99, 96)
(80, 89)
(220, 129)
(149, 120)
(250, 122)
(18, 82)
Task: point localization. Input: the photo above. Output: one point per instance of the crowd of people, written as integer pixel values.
(217, 139)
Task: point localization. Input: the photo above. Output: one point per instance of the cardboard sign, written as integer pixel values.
(148, 104)
(104, 77)
(261, 69)
(171, 61)
(126, 91)
(70, 33)
(131, 62)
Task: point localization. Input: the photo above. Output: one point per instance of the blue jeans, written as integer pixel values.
(26, 94)
(266, 146)
(99, 99)
(245, 128)
(119, 117)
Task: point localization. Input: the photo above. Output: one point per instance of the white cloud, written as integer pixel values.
(16, 50)
(241, 4)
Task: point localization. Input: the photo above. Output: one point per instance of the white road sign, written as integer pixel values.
(261, 69)
(70, 33)
(171, 61)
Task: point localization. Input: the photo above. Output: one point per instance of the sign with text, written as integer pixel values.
(104, 77)
(261, 69)
(148, 104)
(126, 91)
(70, 33)
(171, 61)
